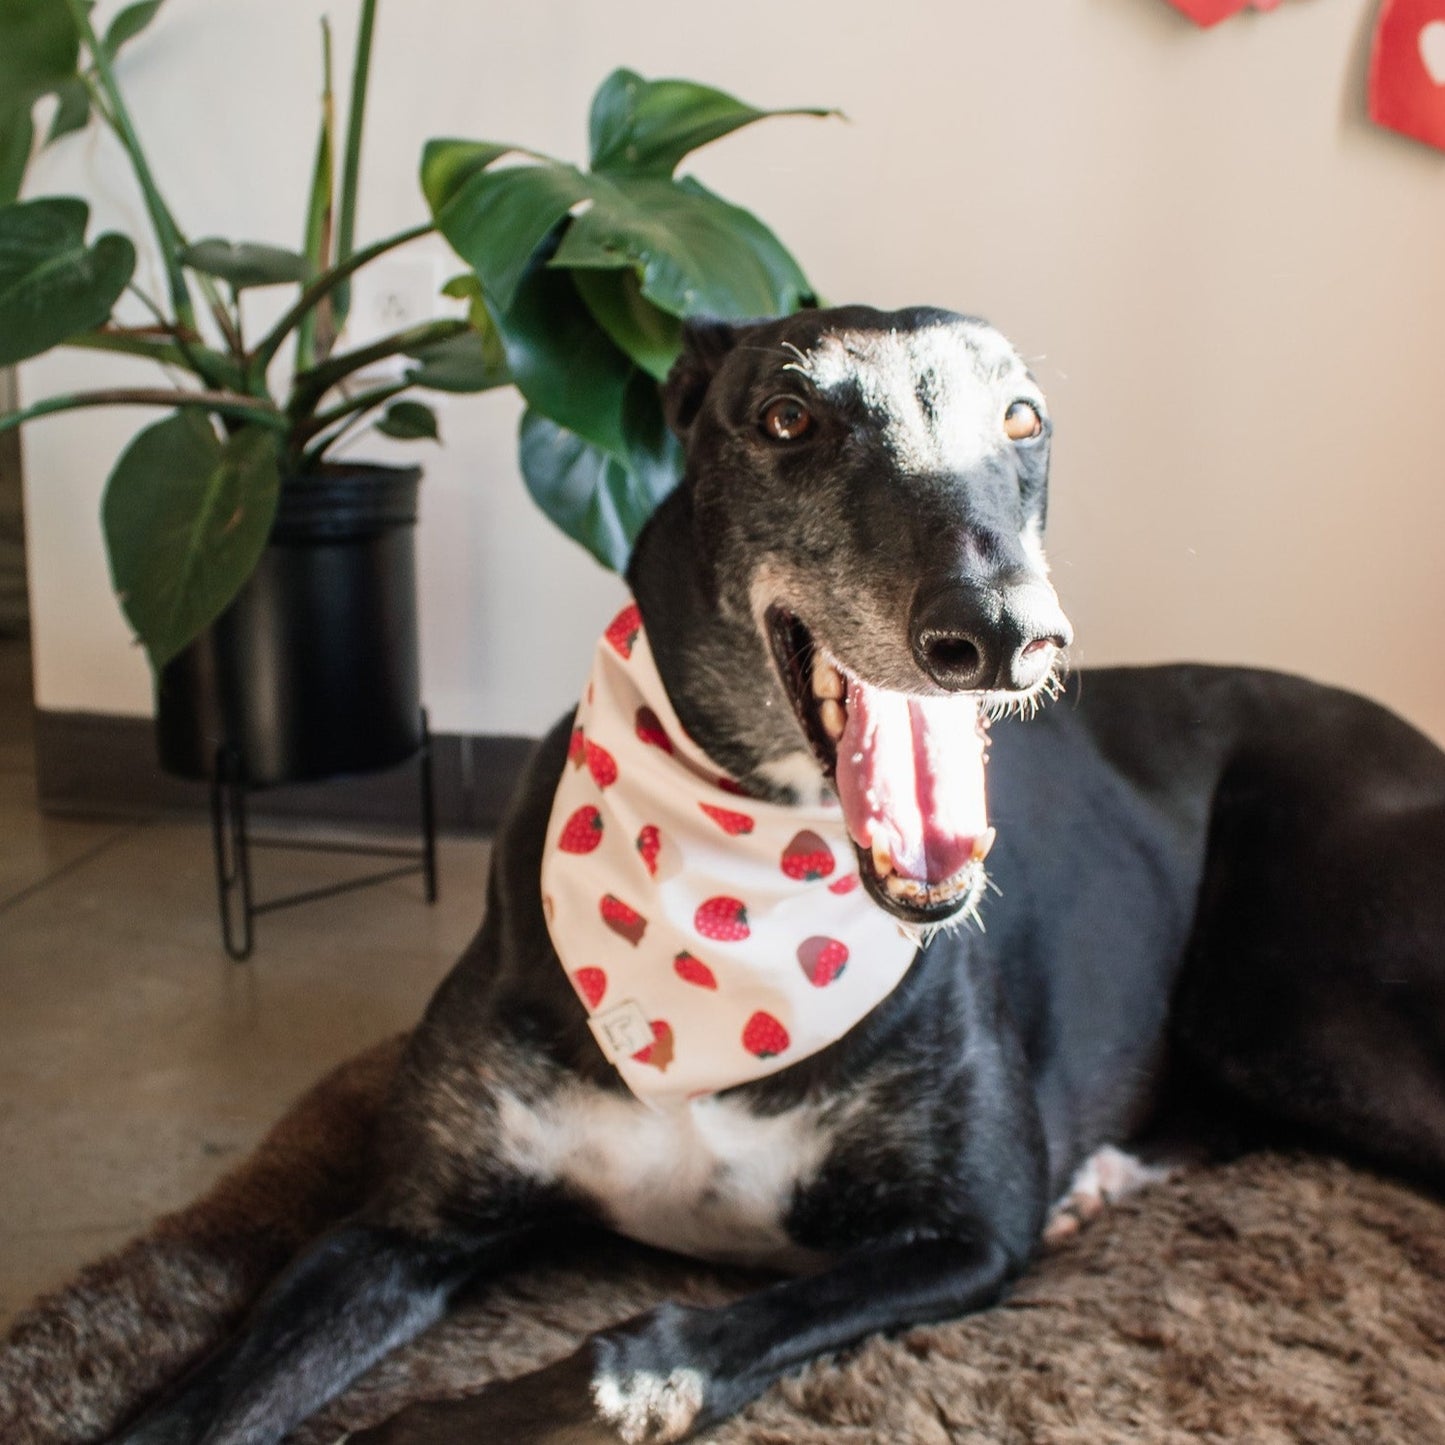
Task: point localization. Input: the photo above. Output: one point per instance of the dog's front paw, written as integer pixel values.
(1105, 1177)
(551, 1406)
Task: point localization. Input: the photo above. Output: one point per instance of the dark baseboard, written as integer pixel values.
(103, 766)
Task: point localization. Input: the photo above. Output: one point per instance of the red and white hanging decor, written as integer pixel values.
(1211, 12)
(1407, 69)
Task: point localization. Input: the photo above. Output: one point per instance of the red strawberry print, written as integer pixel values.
(622, 920)
(723, 919)
(601, 764)
(808, 858)
(733, 824)
(691, 969)
(650, 730)
(764, 1037)
(649, 845)
(659, 1053)
(823, 960)
(623, 629)
(736, 789)
(591, 984)
(846, 884)
(577, 748)
(582, 832)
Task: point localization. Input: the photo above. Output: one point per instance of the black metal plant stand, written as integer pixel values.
(233, 843)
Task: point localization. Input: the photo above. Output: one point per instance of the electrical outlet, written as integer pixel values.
(392, 294)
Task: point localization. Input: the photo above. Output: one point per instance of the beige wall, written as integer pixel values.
(1232, 287)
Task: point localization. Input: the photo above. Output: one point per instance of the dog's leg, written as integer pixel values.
(355, 1294)
(675, 1370)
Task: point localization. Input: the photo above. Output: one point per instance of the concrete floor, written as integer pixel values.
(136, 1061)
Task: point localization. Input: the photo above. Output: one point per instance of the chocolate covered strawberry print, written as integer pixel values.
(591, 984)
(623, 920)
(764, 1037)
(582, 832)
(659, 1053)
(823, 960)
(691, 969)
(808, 857)
(649, 845)
(651, 731)
(623, 629)
(601, 764)
(725, 920)
(735, 825)
(577, 748)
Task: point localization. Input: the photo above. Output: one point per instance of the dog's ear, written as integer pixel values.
(705, 343)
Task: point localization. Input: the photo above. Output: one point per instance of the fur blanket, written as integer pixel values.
(1276, 1299)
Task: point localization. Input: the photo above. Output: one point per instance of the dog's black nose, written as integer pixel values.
(972, 637)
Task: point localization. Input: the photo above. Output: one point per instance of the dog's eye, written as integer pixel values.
(785, 419)
(1022, 421)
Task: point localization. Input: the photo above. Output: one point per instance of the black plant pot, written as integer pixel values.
(313, 670)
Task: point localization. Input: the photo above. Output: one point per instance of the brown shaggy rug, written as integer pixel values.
(1276, 1299)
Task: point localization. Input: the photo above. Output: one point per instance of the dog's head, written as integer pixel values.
(868, 495)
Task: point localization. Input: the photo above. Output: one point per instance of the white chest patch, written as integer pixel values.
(707, 1179)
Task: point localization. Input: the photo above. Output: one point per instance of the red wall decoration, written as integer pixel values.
(1211, 12)
(1407, 69)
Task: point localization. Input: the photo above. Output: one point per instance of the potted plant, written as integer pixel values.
(271, 585)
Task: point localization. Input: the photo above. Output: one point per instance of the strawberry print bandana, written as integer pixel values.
(714, 938)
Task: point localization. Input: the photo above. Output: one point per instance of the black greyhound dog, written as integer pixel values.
(1219, 895)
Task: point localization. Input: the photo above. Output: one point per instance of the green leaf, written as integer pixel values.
(695, 253)
(497, 220)
(40, 51)
(562, 362)
(129, 23)
(652, 338)
(654, 454)
(186, 516)
(645, 127)
(471, 362)
(51, 284)
(73, 111)
(409, 421)
(447, 164)
(243, 264)
(594, 498)
(17, 137)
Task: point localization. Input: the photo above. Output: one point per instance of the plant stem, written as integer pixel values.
(167, 234)
(362, 401)
(311, 386)
(166, 353)
(322, 286)
(351, 164)
(316, 331)
(224, 403)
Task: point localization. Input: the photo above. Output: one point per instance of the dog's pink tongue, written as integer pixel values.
(910, 779)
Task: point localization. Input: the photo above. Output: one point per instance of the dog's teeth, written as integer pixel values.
(827, 680)
(882, 858)
(833, 718)
(983, 843)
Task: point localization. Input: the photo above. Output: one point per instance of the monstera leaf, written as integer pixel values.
(645, 127)
(39, 50)
(186, 516)
(52, 285)
(588, 275)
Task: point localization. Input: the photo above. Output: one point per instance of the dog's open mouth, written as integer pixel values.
(907, 769)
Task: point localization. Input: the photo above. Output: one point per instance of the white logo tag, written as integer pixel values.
(622, 1031)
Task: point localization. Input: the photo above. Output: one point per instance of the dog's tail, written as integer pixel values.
(81, 1360)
